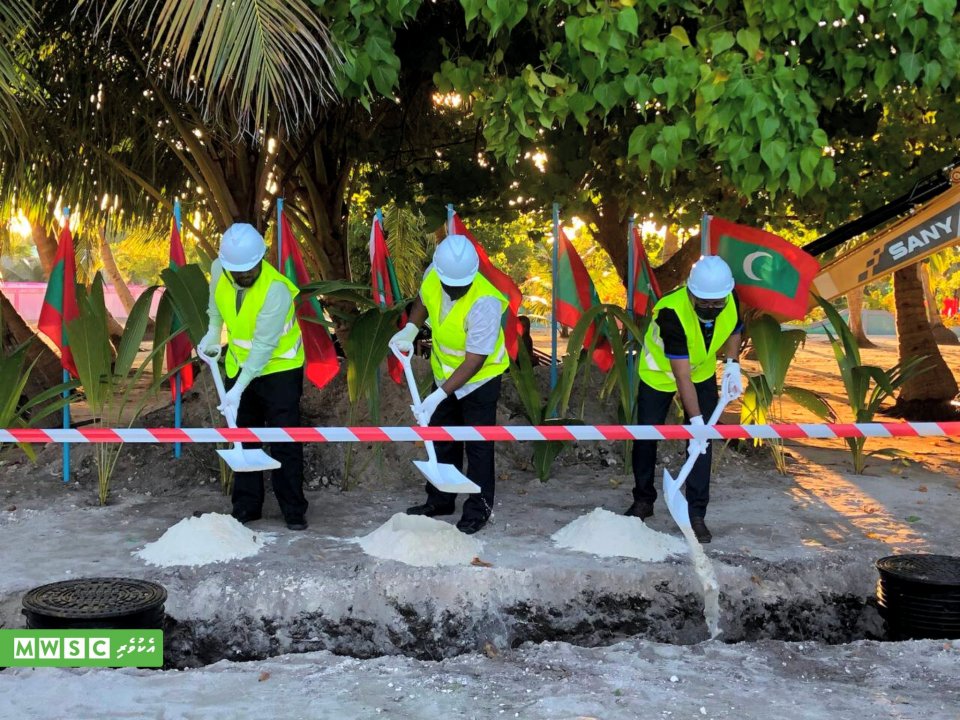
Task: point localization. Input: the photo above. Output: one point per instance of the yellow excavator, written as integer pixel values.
(933, 223)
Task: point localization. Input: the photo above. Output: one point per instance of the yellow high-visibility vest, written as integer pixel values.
(450, 334)
(654, 365)
(288, 354)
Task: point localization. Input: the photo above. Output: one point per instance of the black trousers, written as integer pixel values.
(272, 401)
(477, 408)
(652, 408)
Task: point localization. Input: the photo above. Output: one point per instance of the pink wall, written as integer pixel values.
(27, 298)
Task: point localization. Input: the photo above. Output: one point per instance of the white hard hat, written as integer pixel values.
(710, 278)
(456, 261)
(241, 247)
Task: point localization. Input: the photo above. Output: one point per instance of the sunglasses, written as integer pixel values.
(710, 304)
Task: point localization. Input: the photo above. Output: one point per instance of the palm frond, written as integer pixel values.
(241, 60)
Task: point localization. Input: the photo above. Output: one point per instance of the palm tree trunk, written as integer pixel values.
(942, 334)
(113, 272)
(927, 395)
(46, 247)
(855, 305)
(47, 371)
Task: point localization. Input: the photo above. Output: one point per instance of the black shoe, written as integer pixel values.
(297, 524)
(701, 530)
(245, 517)
(640, 509)
(431, 510)
(469, 526)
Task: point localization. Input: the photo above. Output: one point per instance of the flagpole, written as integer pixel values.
(631, 289)
(66, 379)
(279, 234)
(177, 386)
(450, 214)
(553, 310)
(705, 235)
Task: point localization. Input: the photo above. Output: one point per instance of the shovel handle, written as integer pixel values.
(218, 383)
(408, 372)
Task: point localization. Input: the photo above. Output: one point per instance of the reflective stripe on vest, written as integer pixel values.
(450, 334)
(241, 326)
(654, 366)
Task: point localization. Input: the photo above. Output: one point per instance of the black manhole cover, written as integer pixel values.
(96, 602)
(919, 596)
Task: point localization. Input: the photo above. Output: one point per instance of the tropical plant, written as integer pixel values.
(867, 386)
(111, 387)
(762, 400)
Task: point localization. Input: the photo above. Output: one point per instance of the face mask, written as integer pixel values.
(455, 293)
(708, 314)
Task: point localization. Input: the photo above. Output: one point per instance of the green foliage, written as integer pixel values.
(867, 386)
(775, 349)
(109, 386)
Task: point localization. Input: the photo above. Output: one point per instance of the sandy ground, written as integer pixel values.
(794, 556)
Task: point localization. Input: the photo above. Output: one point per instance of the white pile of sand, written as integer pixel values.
(210, 538)
(607, 534)
(422, 541)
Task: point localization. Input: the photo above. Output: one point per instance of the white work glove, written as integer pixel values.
(695, 446)
(403, 340)
(430, 404)
(209, 345)
(732, 383)
(231, 402)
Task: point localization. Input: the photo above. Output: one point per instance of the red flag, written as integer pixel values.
(772, 274)
(502, 282)
(60, 301)
(321, 364)
(180, 348)
(646, 290)
(575, 295)
(386, 288)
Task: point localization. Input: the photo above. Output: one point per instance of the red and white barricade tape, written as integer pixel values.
(498, 433)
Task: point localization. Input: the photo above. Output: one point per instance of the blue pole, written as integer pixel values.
(178, 391)
(705, 235)
(553, 310)
(66, 393)
(450, 214)
(631, 288)
(280, 234)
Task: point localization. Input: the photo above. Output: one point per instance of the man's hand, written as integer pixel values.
(430, 404)
(403, 340)
(732, 383)
(695, 446)
(209, 345)
(231, 403)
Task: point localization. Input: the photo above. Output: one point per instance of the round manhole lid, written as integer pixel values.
(927, 569)
(93, 598)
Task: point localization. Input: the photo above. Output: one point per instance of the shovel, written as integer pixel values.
(676, 502)
(442, 476)
(238, 458)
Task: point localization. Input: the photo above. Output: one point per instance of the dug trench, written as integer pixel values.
(434, 619)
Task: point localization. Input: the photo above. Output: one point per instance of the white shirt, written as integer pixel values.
(268, 329)
(483, 329)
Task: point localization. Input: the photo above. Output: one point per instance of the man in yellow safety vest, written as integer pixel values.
(264, 364)
(468, 360)
(679, 354)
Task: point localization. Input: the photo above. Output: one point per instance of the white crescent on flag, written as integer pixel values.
(748, 262)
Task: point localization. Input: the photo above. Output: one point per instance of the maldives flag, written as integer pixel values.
(646, 291)
(321, 364)
(502, 282)
(383, 281)
(771, 274)
(60, 301)
(179, 349)
(576, 294)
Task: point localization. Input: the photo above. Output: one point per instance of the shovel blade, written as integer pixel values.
(676, 502)
(446, 477)
(243, 460)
